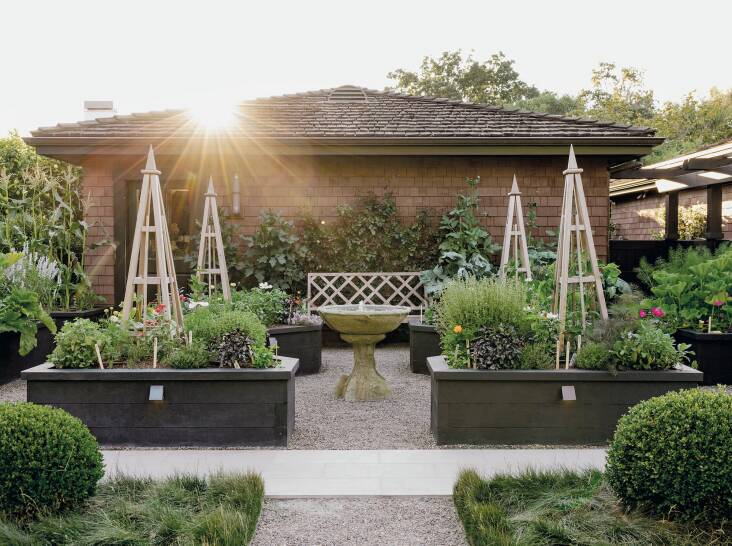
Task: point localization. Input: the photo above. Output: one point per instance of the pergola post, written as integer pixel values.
(672, 216)
(714, 212)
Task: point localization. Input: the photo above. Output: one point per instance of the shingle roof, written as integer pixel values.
(354, 112)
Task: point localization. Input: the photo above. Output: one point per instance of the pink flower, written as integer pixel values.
(642, 313)
(657, 312)
(160, 308)
(718, 303)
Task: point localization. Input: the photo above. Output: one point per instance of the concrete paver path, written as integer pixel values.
(315, 473)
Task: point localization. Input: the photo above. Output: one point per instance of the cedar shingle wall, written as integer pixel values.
(319, 184)
(644, 217)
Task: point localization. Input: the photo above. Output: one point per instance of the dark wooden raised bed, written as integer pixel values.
(526, 406)
(424, 341)
(211, 407)
(302, 342)
(713, 353)
(11, 363)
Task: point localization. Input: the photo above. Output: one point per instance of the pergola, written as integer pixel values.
(709, 168)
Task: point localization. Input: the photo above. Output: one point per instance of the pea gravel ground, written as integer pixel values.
(399, 521)
(400, 422)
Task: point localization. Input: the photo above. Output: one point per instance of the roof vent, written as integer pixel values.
(347, 93)
(98, 109)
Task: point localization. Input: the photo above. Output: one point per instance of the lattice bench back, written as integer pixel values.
(402, 288)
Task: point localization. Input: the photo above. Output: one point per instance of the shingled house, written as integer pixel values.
(318, 149)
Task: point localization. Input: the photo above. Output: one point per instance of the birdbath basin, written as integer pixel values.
(363, 326)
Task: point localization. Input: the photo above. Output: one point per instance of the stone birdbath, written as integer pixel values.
(363, 326)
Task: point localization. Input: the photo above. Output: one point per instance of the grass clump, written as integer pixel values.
(564, 508)
(184, 510)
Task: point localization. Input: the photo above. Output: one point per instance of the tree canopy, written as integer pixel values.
(615, 93)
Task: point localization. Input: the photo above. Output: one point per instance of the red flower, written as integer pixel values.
(160, 308)
(718, 303)
(642, 313)
(657, 312)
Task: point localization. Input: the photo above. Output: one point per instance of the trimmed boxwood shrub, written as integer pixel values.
(49, 460)
(672, 455)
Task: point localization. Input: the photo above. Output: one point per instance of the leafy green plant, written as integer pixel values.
(75, 344)
(263, 357)
(594, 355)
(20, 310)
(686, 285)
(649, 348)
(466, 247)
(270, 306)
(184, 356)
(537, 356)
(50, 461)
(671, 456)
(274, 254)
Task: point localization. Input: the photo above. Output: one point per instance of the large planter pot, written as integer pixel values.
(424, 341)
(713, 353)
(11, 363)
(528, 406)
(302, 342)
(208, 407)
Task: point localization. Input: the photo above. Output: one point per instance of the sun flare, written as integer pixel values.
(214, 114)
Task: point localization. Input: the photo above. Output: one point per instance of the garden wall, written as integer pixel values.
(319, 184)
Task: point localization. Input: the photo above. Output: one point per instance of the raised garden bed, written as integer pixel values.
(302, 342)
(12, 363)
(713, 352)
(527, 407)
(206, 407)
(424, 341)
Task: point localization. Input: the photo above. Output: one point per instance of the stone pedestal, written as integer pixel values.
(364, 382)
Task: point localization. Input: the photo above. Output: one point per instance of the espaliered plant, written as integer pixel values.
(466, 247)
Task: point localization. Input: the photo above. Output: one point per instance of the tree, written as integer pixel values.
(618, 95)
(494, 81)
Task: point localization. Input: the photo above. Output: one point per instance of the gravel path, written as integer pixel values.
(397, 521)
(400, 422)
(13, 391)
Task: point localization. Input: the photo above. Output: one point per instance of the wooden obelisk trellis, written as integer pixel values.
(151, 221)
(211, 258)
(575, 243)
(514, 236)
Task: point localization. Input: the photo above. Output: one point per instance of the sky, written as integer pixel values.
(158, 54)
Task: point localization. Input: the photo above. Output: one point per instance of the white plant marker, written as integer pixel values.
(574, 207)
(99, 356)
(515, 233)
(211, 258)
(155, 352)
(138, 276)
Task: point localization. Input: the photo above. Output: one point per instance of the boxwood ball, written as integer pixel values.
(49, 460)
(672, 455)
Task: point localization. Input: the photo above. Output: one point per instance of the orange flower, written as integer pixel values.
(458, 329)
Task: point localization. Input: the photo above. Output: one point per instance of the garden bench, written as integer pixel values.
(393, 288)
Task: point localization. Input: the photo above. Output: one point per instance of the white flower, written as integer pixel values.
(114, 318)
(194, 304)
(265, 286)
(232, 284)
